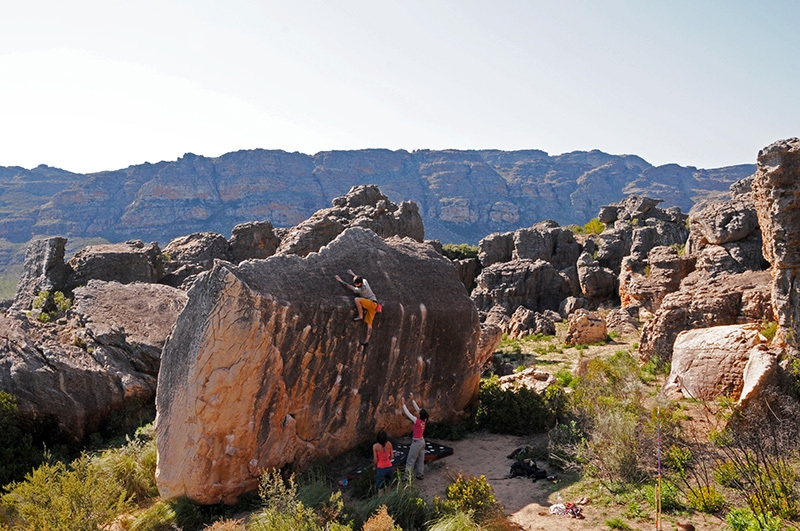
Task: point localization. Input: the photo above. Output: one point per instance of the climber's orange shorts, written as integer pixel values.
(369, 309)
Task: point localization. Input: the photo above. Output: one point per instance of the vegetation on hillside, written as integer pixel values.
(606, 424)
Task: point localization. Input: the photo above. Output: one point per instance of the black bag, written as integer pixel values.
(525, 468)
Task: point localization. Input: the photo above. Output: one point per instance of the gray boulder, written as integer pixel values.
(128, 262)
(72, 377)
(44, 270)
(534, 284)
(363, 206)
(264, 367)
(255, 240)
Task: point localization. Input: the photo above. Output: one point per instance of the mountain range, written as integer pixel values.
(462, 195)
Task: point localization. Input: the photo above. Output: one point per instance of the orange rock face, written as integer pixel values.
(265, 368)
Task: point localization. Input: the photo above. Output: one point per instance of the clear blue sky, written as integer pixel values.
(101, 85)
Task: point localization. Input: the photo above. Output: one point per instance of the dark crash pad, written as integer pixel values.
(433, 451)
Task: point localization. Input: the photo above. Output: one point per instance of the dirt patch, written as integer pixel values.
(526, 502)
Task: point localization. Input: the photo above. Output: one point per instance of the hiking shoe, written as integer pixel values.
(358, 318)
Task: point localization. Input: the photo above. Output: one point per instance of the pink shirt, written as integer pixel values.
(419, 428)
(419, 424)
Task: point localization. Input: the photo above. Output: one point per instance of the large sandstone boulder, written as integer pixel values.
(710, 362)
(364, 206)
(776, 193)
(704, 302)
(44, 270)
(537, 285)
(70, 378)
(264, 366)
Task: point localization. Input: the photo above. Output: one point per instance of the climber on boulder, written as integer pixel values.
(366, 302)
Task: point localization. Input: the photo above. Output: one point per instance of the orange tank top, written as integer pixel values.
(384, 459)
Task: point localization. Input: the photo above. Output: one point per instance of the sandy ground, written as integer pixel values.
(527, 503)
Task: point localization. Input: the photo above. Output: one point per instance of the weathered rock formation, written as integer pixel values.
(644, 284)
(264, 368)
(585, 328)
(704, 302)
(725, 235)
(102, 359)
(526, 322)
(537, 285)
(363, 206)
(634, 226)
(44, 270)
(710, 362)
(775, 191)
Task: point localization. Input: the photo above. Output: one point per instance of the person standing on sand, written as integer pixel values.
(415, 464)
(382, 453)
(366, 302)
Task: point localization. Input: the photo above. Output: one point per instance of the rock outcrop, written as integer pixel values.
(363, 206)
(725, 235)
(775, 191)
(710, 362)
(634, 226)
(264, 368)
(704, 302)
(44, 270)
(71, 378)
(584, 328)
(644, 284)
(132, 261)
(537, 285)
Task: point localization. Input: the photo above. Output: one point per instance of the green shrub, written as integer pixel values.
(78, 497)
(678, 459)
(456, 521)
(460, 251)
(745, 520)
(275, 492)
(474, 496)
(295, 518)
(180, 513)
(51, 307)
(670, 496)
(516, 410)
(133, 466)
(564, 377)
(728, 474)
(680, 248)
(18, 455)
(769, 329)
(705, 498)
(403, 503)
(565, 445)
(593, 226)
